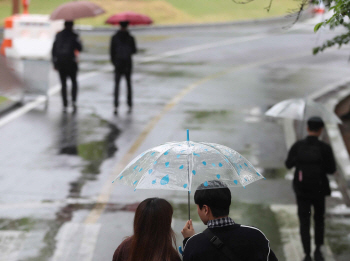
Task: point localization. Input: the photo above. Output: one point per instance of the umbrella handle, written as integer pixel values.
(189, 212)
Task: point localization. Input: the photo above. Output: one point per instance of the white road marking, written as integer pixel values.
(38, 101)
(201, 47)
(72, 235)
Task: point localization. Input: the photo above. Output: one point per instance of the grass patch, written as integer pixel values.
(3, 99)
(169, 11)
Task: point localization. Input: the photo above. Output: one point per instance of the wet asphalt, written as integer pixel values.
(56, 198)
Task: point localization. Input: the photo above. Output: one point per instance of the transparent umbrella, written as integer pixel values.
(187, 164)
(302, 109)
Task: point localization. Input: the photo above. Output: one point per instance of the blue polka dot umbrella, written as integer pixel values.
(187, 164)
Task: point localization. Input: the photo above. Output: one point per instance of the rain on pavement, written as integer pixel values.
(57, 201)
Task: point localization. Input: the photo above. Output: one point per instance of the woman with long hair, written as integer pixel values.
(153, 238)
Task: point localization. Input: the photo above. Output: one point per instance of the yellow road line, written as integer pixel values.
(106, 192)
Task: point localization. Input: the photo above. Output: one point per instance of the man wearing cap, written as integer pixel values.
(122, 48)
(313, 160)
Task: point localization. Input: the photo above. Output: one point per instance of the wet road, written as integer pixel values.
(57, 201)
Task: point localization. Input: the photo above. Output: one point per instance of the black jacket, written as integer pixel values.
(122, 47)
(313, 160)
(247, 243)
(64, 47)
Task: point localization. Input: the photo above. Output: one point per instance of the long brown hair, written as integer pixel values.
(153, 236)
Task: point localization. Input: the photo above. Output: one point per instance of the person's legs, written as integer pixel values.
(304, 212)
(129, 85)
(117, 77)
(63, 79)
(319, 211)
(73, 76)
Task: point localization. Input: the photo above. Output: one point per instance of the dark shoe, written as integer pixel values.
(64, 110)
(318, 255)
(116, 111)
(130, 109)
(307, 258)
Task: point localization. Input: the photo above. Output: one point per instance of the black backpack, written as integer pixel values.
(124, 48)
(65, 48)
(310, 175)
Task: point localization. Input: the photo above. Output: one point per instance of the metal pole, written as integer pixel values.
(15, 7)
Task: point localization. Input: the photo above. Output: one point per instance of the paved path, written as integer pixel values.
(57, 201)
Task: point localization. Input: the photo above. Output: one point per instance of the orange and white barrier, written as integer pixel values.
(320, 8)
(29, 36)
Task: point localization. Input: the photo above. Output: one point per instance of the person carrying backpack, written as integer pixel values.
(122, 48)
(224, 239)
(313, 160)
(65, 47)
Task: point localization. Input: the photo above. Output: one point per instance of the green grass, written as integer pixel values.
(223, 10)
(170, 11)
(3, 99)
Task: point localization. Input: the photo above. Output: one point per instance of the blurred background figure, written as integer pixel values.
(122, 48)
(64, 56)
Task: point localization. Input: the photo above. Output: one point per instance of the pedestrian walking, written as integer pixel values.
(153, 237)
(64, 57)
(122, 47)
(223, 240)
(313, 160)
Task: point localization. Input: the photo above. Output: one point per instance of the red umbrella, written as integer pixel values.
(76, 9)
(131, 17)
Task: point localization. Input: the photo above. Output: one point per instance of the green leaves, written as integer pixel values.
(317, 26)
(341, 9)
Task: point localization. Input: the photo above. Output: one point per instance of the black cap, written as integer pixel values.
(315, 123)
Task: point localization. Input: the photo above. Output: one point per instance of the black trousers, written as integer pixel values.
(304, 213)
(68, 70)
(123, 69)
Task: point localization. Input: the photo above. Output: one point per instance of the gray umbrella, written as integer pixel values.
(77, 9)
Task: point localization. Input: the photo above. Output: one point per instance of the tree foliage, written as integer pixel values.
(341, 9)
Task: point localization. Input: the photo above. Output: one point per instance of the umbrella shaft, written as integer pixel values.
(189, 212)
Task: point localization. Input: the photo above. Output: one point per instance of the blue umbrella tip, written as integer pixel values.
(113, 181)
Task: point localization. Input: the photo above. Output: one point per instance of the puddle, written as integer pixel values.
(205, 116)
(23, 224)
(166, 73)
(175, 63)
(93, 140)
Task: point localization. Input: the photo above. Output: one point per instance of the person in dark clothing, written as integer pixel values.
(65, 47)
(122, 48)
(243, 243)
(313, 160)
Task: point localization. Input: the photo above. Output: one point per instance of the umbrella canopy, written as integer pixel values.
(185, 165)
(302, 109)
(76, 9)
(131, 17)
